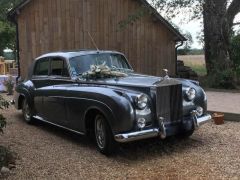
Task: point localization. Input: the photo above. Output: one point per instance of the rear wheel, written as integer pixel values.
(27, 112)
(103, 136)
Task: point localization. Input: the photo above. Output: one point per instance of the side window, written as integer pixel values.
(41, 67)
(65, 70)
(59, 67)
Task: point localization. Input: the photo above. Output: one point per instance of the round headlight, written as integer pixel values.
(141, 123)
(191, 94)
(141, 101)
(199, 111)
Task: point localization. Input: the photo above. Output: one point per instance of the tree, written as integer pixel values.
(7, 30)
(235, 54)
(186, 45)
(218, 19)
(7, 36)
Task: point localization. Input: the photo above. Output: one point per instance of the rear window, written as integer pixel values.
(41, 68)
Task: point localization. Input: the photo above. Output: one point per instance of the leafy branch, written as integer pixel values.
(237, 23)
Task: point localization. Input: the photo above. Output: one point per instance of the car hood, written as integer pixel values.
(134, 79)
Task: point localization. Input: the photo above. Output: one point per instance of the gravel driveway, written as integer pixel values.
(46, 152)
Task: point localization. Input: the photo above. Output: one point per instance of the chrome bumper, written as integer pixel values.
(158, 132)
(197, 122)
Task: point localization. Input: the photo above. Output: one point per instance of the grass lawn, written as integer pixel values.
(196, 62)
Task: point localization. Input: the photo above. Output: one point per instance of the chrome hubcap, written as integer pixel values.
(100, 132)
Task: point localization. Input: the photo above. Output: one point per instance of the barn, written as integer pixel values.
(133, 27)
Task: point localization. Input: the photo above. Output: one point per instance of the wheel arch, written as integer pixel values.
(20, 101)
(21, 98)
(90, 114)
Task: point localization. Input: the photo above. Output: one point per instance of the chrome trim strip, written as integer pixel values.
(134, 136)
(41, 119)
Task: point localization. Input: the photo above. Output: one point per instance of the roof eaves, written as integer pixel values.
(15, 11)
(164, 21)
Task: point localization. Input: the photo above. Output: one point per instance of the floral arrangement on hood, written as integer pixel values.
(102, 71)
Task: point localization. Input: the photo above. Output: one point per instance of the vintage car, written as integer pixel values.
(97, 93)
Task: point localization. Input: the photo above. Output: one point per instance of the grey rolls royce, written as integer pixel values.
(97, 93)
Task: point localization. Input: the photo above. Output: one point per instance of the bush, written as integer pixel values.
(9, 84)
(6, 157)
(222, 79)
(3, 105)
(2, 123)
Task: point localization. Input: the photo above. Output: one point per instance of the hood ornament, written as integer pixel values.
(166, 74)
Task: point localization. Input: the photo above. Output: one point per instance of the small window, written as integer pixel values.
(59, 67)
(65, 70)
(41, 68)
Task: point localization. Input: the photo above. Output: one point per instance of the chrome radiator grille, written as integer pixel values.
(169, 102)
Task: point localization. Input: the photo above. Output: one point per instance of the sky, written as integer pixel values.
(194, 27)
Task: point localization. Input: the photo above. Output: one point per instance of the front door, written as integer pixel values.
(40, 81)
(54, 98)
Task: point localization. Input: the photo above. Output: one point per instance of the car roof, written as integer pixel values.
(74, 53)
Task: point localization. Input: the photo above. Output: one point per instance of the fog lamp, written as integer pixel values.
(141, 123)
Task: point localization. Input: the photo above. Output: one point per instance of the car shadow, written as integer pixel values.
(128, 152)
(59, 132)
(156, 147)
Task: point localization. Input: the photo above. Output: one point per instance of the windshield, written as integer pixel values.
(81, 64)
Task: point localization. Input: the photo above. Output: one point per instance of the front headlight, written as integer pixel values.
(141, 101)
(191, 94)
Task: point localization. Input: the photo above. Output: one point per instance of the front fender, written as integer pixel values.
(114, 105)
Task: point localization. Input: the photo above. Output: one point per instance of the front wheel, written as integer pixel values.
(27, 112)
(103, 135)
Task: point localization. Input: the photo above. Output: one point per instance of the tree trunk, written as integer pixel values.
(217, 37)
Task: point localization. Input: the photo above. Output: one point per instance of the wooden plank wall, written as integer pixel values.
(55, 25)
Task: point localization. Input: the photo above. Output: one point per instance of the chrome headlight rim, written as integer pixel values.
(190, 93)
(141, 101)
